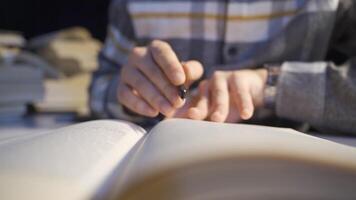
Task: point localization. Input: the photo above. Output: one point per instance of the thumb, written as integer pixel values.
(193, 71)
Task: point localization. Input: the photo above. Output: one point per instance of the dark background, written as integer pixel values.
(34, 17)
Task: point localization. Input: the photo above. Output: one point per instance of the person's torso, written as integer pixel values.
(237, 33)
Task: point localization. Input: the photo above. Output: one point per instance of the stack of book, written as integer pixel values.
(52, 72)
(73, 52)
(65, 95)
(21, 82)
(19, 85)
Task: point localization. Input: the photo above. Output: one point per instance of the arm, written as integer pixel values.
(319, 93)
(323, 93)
(120, 40)
(143, 79)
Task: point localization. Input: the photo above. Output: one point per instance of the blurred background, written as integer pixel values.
(48, 50)
(35, 17)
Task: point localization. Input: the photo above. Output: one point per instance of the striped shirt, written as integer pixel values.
(314, 42)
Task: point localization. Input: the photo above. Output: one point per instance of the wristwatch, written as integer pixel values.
(270, 90)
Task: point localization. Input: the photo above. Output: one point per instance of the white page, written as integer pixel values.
(68, 163)
(176, 143)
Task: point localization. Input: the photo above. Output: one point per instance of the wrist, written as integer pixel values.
(270, 90)
(263, 74)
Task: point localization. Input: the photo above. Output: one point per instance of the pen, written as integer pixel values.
(182, 89)
(182, 92)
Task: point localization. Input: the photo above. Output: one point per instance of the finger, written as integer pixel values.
(167, 60)
(201, 109)
(146, 90)
(135, 103)
(193, 71)
(183, 111)
(234, 115)
(242, 98)
(219, 95)
(152, 72)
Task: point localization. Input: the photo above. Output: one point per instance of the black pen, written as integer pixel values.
(183, 91)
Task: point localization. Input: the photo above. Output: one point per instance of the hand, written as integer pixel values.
(148, 83)
(229, 96)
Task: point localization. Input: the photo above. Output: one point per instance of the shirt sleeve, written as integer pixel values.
(119, 41)
(323, 93)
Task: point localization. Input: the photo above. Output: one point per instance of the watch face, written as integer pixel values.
(273, 74)
(270, 90)
(270, 96)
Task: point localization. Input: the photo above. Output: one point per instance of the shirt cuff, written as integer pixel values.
(270, 90)
(300, 92)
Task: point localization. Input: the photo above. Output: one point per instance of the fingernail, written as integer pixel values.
(178, 102)
(216, 117)
(149, 111)
(246, 114)
(193, 113)
(179, 78)
(175, 99)
(152, 112)
(166, 108)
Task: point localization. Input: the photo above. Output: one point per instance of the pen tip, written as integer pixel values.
(183, 92)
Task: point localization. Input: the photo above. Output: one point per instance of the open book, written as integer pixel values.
(177, 159)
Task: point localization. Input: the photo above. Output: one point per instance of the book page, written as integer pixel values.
(68, 163)
(180, 145)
